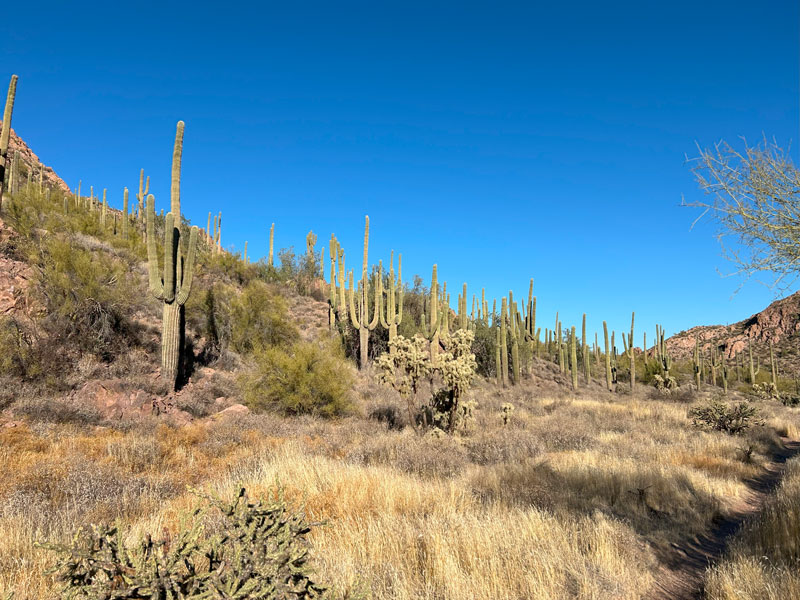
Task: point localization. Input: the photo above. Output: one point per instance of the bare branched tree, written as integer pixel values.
(755, 201)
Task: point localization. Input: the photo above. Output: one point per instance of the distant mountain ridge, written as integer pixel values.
(779, 323)
(32, 162)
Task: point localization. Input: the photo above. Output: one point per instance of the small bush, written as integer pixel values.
(260, 553)
(308, 378)
(259, 318)
(718, 416)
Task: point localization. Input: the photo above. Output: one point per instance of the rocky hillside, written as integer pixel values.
(31, 162)
(779, 323)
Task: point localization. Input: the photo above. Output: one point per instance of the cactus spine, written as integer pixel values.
(176, 284)
(359, 315)
(608, 357)
(394, 306)
(5, 134)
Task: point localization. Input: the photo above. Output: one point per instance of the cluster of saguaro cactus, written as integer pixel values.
(174, 286)
(5, 134)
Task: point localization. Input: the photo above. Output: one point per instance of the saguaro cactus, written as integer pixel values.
(773, 366)
(5, 134)
(697, 363)
(103, 211)
(176, 284)
(608, 358)
(144, 191)
(125, 215)
(573, 358)
(393, 315)
(271, 243)
(630, 353)
(504, 340)
(432, 320)
(359, 314)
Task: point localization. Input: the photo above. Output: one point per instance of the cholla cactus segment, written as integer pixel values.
(506, 410)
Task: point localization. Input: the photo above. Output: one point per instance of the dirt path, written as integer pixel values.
(683, 575)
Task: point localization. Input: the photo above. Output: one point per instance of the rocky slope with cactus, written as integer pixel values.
(31, 160)
(778, 324)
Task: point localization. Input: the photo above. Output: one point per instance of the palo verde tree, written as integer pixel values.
(174, 287)
(754, 200)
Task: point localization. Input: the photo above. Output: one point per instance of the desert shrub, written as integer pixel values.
(718, 416)
(260, 552)
(308, 378)
(18, 355)
(484, 349)
(259, 319)
(51, 410)
(87, 296)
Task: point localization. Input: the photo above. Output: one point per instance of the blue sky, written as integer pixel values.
(502, 141)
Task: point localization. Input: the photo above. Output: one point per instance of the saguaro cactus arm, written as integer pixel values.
(188, 269)
(156, 284)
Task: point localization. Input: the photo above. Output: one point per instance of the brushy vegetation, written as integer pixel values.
(307, 378)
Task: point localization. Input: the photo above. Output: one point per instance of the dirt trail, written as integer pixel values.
(683, 576)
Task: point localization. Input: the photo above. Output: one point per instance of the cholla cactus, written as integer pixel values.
(458, 366)
(506, 410)
(665, 384)
(406, 364)
(260, 551)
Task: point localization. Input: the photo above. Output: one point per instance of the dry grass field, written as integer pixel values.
(578, 496)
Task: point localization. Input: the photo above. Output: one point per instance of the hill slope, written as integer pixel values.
(779, 323)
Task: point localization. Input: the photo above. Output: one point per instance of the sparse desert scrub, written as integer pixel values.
(547, 506)
(762, 561)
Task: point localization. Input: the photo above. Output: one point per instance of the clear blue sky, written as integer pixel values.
(501, 141)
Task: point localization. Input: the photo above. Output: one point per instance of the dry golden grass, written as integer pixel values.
(573, 499)
(762, 562)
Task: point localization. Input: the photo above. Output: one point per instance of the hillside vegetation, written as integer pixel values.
(433, 453)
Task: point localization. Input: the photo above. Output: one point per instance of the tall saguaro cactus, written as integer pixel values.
(394, 300)
(5, 134)
(271, 243)
(432, 327)
(125, 215)
(176, 284)
(608, 358)
(360, 313)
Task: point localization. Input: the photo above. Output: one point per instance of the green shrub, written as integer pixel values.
(18, 355)
(259, 318)
(731, 419)
(308, 378)
(87, 296)
(260, 553)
